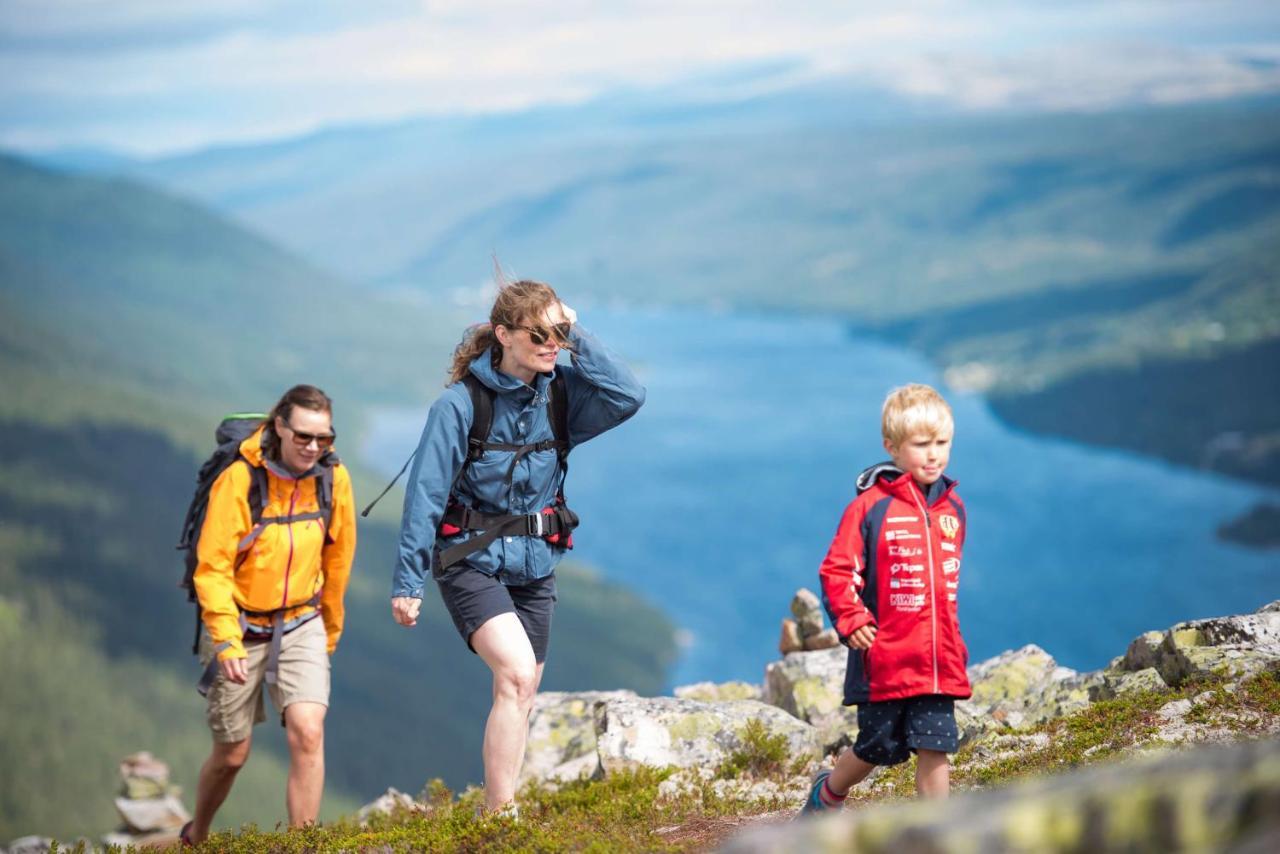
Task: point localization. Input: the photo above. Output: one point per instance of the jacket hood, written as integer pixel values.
(871, 474)
(482, 368)
(894, 479)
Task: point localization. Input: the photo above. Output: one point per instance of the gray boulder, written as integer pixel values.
(1203, 799)
(810, 686)
(1112, 684)
(1235, 647)
(1018, 689)
(718, 692)
(562, 735)
(662, 732)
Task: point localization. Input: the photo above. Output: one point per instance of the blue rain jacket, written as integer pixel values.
(602, 394)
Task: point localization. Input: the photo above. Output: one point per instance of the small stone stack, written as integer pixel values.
(805, 632)
(151, 808)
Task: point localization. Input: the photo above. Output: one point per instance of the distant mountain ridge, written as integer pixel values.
(1044, 260)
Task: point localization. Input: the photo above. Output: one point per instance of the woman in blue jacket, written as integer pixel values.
(492, 526)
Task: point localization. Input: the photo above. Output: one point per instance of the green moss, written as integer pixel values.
(620, 813)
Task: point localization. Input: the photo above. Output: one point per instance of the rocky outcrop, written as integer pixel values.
(810, 686)
(1020, 688)
(718, 692)
(594, 734)
(1204, 799)
(1234, 647)
(562, 742)
(669, 732)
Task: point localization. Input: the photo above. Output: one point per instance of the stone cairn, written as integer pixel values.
(805, 632)
(151, 808)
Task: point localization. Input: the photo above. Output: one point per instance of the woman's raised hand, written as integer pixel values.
(405, 610)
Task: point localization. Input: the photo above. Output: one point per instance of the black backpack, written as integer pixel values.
(482, 422)
(233, 430)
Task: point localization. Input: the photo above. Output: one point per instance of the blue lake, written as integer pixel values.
(718, 500)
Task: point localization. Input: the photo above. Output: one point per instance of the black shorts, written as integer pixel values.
(889, 731)
(473, 598)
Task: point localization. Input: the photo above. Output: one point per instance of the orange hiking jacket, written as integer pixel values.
(285, 565)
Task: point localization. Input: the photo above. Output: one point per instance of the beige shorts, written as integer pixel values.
(303, 677)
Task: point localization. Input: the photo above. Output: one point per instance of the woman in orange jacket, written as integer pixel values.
(274, 558)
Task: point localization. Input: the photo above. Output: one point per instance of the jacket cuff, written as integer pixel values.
(230, 649)
(851, 624)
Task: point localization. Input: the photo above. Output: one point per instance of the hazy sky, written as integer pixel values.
(168, 75)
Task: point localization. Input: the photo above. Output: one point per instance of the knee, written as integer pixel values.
(518, 684)
(306, 736)
(231, 757)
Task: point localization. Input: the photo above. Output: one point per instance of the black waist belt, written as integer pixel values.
(554, 524)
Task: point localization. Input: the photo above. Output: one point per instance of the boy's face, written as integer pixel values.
(924, 456)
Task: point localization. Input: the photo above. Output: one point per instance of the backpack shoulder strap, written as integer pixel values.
(558, 411)
(482, 416)
(259, 489)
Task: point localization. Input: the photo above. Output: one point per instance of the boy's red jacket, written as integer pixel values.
(895, 563)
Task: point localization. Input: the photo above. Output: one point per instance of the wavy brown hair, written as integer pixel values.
(519, 303)
(303, 396)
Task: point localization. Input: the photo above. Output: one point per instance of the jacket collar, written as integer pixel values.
(482, 368)
(251, 450)
(895, 481)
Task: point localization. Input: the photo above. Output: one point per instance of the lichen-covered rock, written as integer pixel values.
(664, 732)
(810, 685)
(562, 735)
(1234, 646)
(825, 639)
(1021, 688)
(1112, 684)
(790, 641)
(1204, 799)
(716, 692)
(807, 609)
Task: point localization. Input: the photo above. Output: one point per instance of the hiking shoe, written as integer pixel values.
(814, 803)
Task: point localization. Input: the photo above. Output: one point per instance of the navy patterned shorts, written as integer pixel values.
(889, 731)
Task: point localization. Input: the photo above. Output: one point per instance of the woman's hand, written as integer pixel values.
(863, 638)
(559, 312)
(235, 670)
(405, 610)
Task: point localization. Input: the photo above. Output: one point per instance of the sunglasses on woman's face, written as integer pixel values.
(323, 441)
(539, 335)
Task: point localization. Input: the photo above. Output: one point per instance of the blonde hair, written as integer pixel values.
(519, 303)
(913, 409)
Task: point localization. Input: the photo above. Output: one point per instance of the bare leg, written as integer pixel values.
(504, 646)
(933, 774)
(849, 772)
(304, 729)
(216, 776)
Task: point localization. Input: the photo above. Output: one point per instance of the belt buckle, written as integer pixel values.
(537, 527)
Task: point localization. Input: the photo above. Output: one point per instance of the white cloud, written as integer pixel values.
(105, 71)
